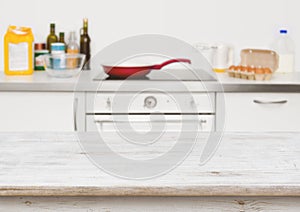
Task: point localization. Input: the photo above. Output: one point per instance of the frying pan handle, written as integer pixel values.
(179, 60)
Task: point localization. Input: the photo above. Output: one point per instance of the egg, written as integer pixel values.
(231, 67)
(259, 71)
(267, 71)
(237, 73)
(243, 68)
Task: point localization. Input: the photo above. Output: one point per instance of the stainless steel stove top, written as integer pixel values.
(167, 75)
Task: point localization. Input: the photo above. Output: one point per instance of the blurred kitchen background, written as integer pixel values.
(246, 23)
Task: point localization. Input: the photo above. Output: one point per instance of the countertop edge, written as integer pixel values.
(85, 83)
(159, 191)
(192, 87)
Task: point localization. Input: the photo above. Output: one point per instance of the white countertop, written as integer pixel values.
(277, 78)
(40, 81)
(246, 164)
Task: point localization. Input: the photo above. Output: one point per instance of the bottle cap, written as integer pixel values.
(283, 31)
(72, 35)
(85, 22)
(61, 34)
(52, 25)
(39, 46)
(58, 47)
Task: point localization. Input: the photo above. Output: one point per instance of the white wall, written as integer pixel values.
(244, 23)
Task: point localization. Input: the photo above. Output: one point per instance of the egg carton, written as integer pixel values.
(250, 73)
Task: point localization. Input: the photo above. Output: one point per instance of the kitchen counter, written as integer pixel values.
(51, 172)
(40, 81)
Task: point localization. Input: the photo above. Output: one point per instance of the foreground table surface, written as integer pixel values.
(245, 164)
(51, 172)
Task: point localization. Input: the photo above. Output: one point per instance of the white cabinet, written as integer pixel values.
(37, 111)
(261, 111)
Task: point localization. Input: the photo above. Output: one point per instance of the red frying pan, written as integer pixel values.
(138, 71)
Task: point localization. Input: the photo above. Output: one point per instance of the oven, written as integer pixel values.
(150, 110)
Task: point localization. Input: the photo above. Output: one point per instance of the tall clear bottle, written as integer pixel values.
(85, 44)
(285, 48)
(72, 48)
(52, 38)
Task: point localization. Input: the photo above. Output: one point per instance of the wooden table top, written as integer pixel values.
(56, 164)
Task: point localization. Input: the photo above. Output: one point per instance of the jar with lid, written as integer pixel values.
(39, 50)
(58, 49)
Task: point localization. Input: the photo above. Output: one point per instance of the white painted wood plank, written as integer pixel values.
(246, 164)
(140, 204)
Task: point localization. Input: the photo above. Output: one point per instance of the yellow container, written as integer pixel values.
(18, 51)
(219, 70)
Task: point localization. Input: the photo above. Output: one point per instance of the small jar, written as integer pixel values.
(39, 50)
(58, 49)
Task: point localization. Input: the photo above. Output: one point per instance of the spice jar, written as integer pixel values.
(39, 49)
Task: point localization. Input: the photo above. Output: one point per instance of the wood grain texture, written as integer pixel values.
(137, 204)
(246, 164)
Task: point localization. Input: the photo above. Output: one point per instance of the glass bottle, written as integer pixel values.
(72, 48)
(85, 44)
(52, 38)
(62, 39)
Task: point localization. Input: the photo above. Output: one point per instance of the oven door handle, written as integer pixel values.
(201, 121)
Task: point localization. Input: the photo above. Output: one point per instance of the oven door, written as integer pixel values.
(146, 123)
